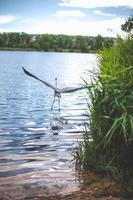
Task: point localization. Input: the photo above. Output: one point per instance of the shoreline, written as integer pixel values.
(92, 187)
(35, 50)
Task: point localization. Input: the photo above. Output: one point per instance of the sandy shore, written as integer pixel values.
(92, 187)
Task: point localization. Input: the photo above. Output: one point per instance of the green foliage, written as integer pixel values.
(15, 40)
(128, 25)
(108, 144)
(48, 42)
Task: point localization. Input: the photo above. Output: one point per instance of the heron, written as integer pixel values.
(57, 91)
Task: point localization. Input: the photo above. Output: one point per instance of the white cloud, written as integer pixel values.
(5, 19)
(99, 12)
(73, 27)
(8, 30)
(69, 13)
(96, 3)
(26, 20)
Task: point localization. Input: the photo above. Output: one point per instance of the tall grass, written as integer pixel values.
(108, 141)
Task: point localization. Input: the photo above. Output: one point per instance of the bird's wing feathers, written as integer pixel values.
(63, 90)
(45, 82)
(71, 89)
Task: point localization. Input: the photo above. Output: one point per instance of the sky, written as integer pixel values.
(70, 17)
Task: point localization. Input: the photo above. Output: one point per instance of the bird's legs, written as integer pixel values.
(53, 103)
(59, 103)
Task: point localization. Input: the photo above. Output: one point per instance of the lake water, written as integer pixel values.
(33, 160)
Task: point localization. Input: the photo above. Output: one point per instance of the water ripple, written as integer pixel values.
(31, 151)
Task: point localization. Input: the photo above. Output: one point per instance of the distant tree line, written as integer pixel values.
(49, 42)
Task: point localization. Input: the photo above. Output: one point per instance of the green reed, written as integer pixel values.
(107, 146)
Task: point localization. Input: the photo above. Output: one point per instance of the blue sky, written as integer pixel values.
(72, 17)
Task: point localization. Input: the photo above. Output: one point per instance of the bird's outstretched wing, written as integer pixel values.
(45, 82)
(71, 89)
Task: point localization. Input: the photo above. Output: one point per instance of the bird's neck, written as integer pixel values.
(56, 82)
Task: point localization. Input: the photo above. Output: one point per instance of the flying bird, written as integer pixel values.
(57, 91)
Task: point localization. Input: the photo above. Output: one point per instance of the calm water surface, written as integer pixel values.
(31, 156)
